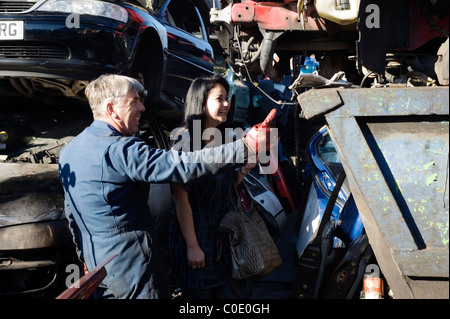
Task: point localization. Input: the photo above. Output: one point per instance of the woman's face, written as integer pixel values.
(217, 106)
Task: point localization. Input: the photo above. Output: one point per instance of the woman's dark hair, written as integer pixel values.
(195, 103)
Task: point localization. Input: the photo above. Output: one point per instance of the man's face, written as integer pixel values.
(128, 113)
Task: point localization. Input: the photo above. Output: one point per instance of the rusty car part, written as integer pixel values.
(394, 147)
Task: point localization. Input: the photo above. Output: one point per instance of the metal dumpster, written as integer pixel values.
(394, 147)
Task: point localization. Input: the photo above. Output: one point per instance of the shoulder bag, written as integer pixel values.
(252, 251)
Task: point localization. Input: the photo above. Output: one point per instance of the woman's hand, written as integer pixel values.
(242, 171)
(196, 257)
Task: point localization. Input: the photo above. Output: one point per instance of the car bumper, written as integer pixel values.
(53, 50)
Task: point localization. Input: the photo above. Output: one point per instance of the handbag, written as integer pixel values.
(252, 251)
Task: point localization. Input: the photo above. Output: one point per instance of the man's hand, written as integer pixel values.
(258, 138)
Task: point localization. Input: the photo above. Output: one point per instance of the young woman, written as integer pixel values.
(200, 204)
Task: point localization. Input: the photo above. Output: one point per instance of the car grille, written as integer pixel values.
(32, 51)
(15, 6)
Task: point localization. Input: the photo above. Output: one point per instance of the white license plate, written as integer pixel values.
(11, 30)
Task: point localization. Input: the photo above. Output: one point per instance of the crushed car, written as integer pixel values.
(51, 49)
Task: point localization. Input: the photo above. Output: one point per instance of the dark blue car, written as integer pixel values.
(323, 168)
(332, 246)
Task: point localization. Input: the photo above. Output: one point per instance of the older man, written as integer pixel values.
(105, 172)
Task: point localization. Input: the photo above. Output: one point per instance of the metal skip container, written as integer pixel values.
(394, 147)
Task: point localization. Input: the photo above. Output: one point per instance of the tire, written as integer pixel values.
(148, 64)
(154, 134)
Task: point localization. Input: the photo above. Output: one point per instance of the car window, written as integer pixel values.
(327, 151)
(184, 15)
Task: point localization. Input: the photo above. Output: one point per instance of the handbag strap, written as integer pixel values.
(219, 247)
(244, 198)
(236, 200)
(239, 199)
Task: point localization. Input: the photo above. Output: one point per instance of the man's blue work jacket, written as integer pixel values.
(106, 177)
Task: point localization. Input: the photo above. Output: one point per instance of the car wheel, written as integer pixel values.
(148, 64)
(154, 134)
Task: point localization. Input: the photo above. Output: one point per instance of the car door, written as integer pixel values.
(325, 166)
(189, 53)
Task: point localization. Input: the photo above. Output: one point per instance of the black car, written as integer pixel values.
(51, 48)
(46, 54)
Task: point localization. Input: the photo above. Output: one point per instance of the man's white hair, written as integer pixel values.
(109, 87)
